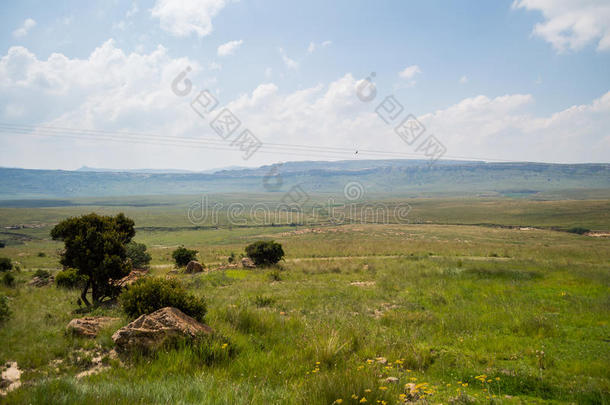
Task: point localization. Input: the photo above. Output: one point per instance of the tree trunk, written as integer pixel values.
(95, 294)
(83, 295)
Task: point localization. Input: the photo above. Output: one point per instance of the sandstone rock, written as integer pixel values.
(194, 267)
(10, 378)
(89, 326)
(131, 278)
(247, 263)
(151, 331)
(41, 281)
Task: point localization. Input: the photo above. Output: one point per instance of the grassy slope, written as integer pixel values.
(449, 302)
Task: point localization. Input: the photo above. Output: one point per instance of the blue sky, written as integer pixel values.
(523, 80)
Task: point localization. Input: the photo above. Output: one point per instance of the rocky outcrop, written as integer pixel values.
(247, 263)
(10, 378)
(194, 267)
(131, 278)
(89, 326)
(41, 281)
(151, 331)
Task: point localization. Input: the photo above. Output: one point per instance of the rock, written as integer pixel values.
(10, 378)
(194, 267)
(151, 331)
(247, 263)
(381, 360)
(131, 278)
(391, 380)
(89, 326)
(41, 281)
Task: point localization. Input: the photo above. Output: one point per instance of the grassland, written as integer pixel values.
(442, 301)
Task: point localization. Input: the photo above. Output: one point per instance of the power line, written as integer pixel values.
(206, 142)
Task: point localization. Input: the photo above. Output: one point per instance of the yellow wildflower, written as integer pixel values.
(363, 400)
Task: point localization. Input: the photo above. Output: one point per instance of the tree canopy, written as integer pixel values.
(95, 247)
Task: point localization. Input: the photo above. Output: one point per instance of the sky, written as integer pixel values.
(151, 84)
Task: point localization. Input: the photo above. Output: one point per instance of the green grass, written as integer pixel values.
(443, 304)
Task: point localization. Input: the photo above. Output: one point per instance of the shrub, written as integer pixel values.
(42, 254)
(150, 294)
(69, 278)
(42, 274)
(8, 279)
(5, 311)
(2, 244)
(263, 301)
(579, 230)
(5, 264)
(265, 253)
(182, 256)
(140, 258)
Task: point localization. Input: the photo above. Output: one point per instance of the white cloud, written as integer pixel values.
(502, 128)
(185, 17)
(313, 46)
(115, 91)
(290, 63)
(409, 72)
(22, 31)
(464, 79)
(229, 48)
(570, 24)
(132, 11)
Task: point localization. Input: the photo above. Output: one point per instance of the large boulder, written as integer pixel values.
(89, 326)
(247, 263)
(194, 267)
(151, 331)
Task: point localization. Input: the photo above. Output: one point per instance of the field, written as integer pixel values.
(474, 300)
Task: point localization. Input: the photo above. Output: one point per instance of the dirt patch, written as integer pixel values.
(362, 283)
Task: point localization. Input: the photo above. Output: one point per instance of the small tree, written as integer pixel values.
(5, 264)
(265, 253)
(95, 247)
(182, 256)
(140, 258)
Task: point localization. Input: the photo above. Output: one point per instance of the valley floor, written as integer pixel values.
(355, 313)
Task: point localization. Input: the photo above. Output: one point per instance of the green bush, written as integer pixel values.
(42, 274)
(140, 258)
(579, 230)
(265, 253)
(69, 278)
(8, 279)
(42, 254)
(5, 311)
(150, 294)
(182, 256)
(5, 264)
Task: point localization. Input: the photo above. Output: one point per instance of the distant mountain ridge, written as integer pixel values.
(155, 171)
(397, 177)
